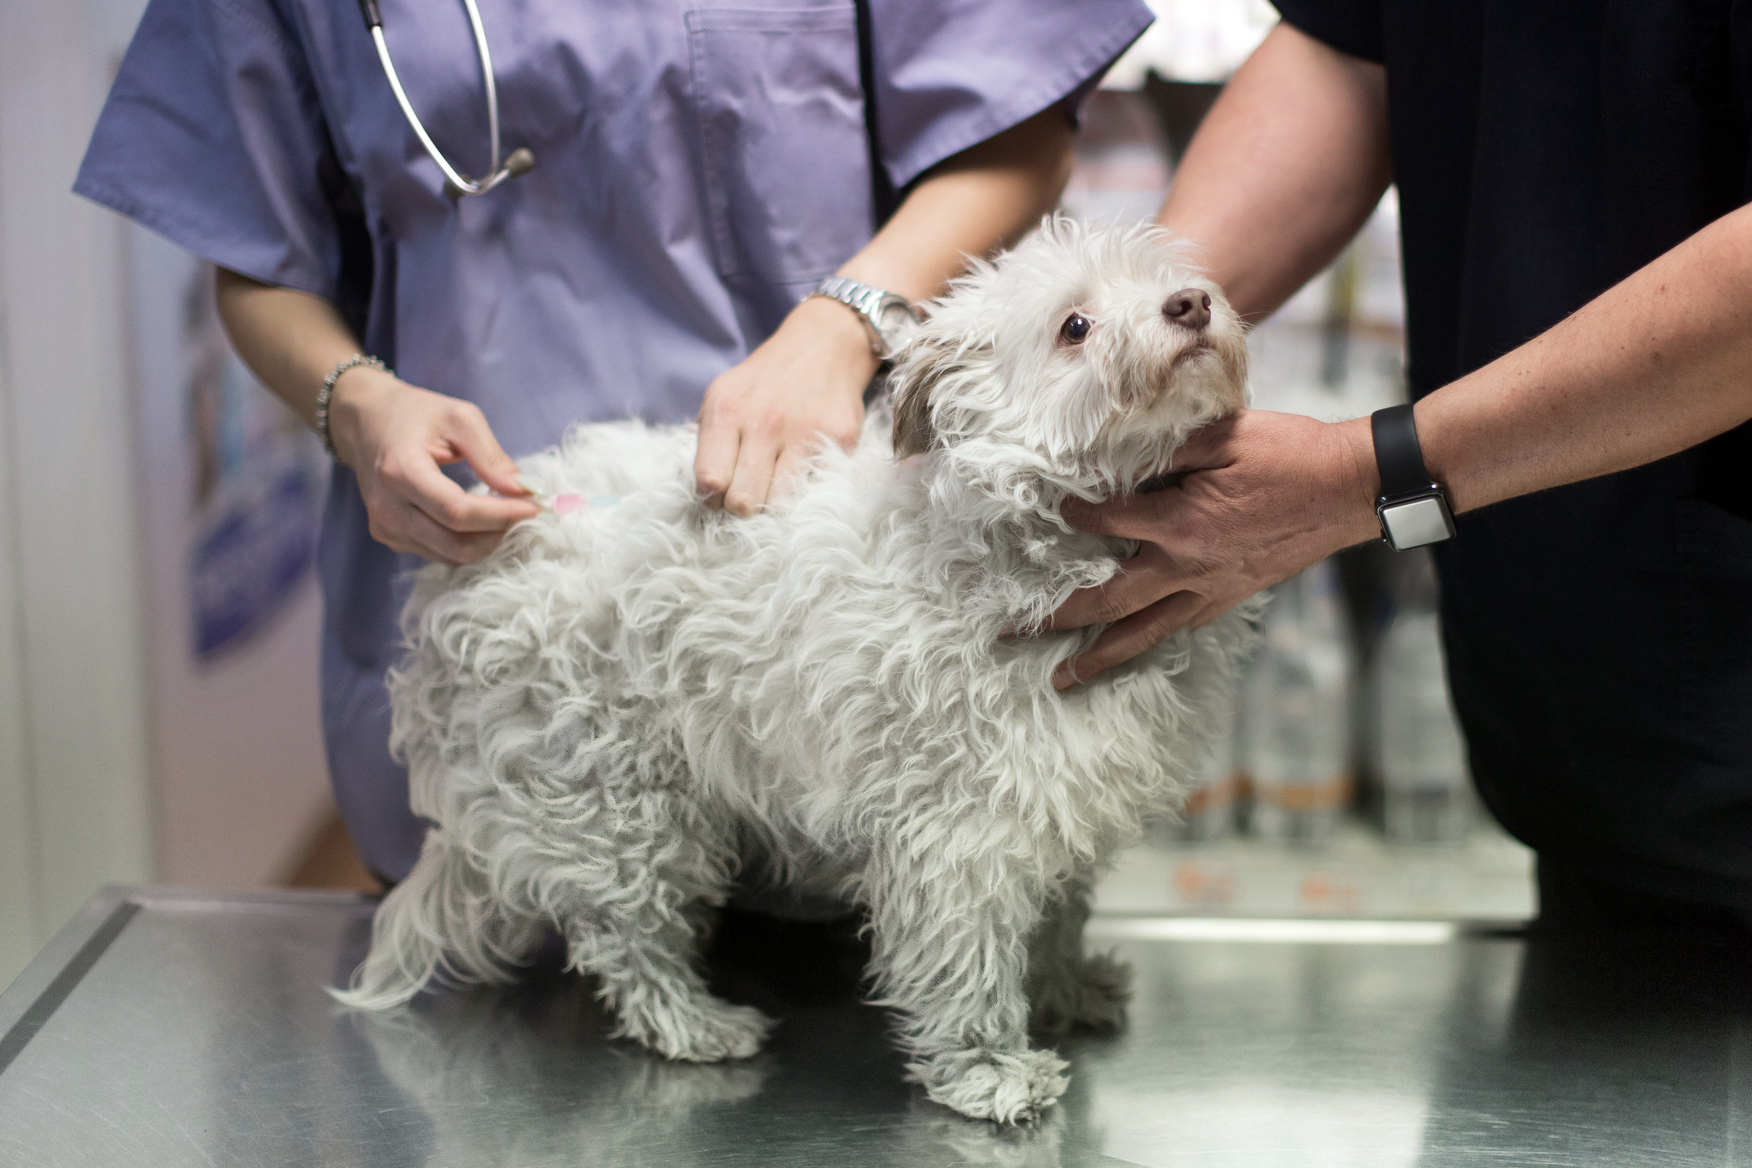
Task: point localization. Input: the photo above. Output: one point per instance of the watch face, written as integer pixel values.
(1416, 522)
(895, 325)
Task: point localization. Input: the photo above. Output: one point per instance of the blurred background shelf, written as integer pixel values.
(1354, 873)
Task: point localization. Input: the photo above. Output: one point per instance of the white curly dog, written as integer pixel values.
(605, 715)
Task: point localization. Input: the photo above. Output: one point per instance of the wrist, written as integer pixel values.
(356, 393)
(1435, 434)
(1356, 482)
(837, 327)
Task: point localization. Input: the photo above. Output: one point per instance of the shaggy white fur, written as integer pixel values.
(607, 714)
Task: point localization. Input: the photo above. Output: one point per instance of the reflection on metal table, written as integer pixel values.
(167, 1027)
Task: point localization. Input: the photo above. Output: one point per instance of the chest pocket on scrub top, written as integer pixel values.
(786, 159)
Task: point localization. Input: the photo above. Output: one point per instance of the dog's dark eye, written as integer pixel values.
(1076, 327)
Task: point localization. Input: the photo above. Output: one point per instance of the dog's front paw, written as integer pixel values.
(988, 1084)
(700, 1030)
(1092, 996)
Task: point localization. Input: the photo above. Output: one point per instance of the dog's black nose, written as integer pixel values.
(1190, 307)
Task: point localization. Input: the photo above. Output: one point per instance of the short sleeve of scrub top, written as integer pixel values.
(213, 137)
(699, 167)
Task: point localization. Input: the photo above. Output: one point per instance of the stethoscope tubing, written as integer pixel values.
(455, 181)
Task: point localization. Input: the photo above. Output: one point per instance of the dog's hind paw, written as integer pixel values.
(704, 1030)
(1093, 997)
(987, 1084)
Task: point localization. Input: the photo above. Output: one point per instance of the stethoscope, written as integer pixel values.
(456, 184)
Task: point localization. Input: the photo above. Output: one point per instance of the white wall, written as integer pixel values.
(74, 766)
(21, 925)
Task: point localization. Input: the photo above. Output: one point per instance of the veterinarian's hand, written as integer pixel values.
(1264, 495)
(395, 436)
(761, 419)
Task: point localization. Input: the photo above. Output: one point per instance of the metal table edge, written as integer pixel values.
(56, 970)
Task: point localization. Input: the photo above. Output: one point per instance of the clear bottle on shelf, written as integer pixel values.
(1295, 742)
(1420, 757)
(1209, 810)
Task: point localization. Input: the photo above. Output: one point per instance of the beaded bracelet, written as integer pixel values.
(327, 392)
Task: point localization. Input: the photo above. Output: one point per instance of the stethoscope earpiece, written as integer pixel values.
(456, 184)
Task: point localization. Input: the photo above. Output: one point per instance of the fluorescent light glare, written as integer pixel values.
(1289, 931)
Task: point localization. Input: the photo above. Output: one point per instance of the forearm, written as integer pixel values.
(1653, 366)
(1286, 167)
(289, 339)
(980, 200)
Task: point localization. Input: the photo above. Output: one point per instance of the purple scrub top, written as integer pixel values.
(698, 168)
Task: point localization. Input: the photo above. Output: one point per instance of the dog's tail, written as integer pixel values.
(440, 922)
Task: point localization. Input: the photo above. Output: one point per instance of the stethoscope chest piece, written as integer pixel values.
(456, 183)
(519, 161)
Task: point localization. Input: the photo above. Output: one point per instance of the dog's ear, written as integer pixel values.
(913, 433)
(925, 365)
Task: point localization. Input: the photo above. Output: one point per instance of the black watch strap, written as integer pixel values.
(1412, 509)
(1397, 454)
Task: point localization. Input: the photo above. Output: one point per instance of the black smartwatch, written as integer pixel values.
(1412, 509)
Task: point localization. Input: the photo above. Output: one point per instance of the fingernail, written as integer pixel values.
(1062, 678)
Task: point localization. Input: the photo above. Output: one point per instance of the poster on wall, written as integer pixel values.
(254, 480)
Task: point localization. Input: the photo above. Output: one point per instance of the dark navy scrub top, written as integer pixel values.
(1599, 635)
(699, 166)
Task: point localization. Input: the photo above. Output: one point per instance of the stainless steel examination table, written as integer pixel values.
(172, 1028)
